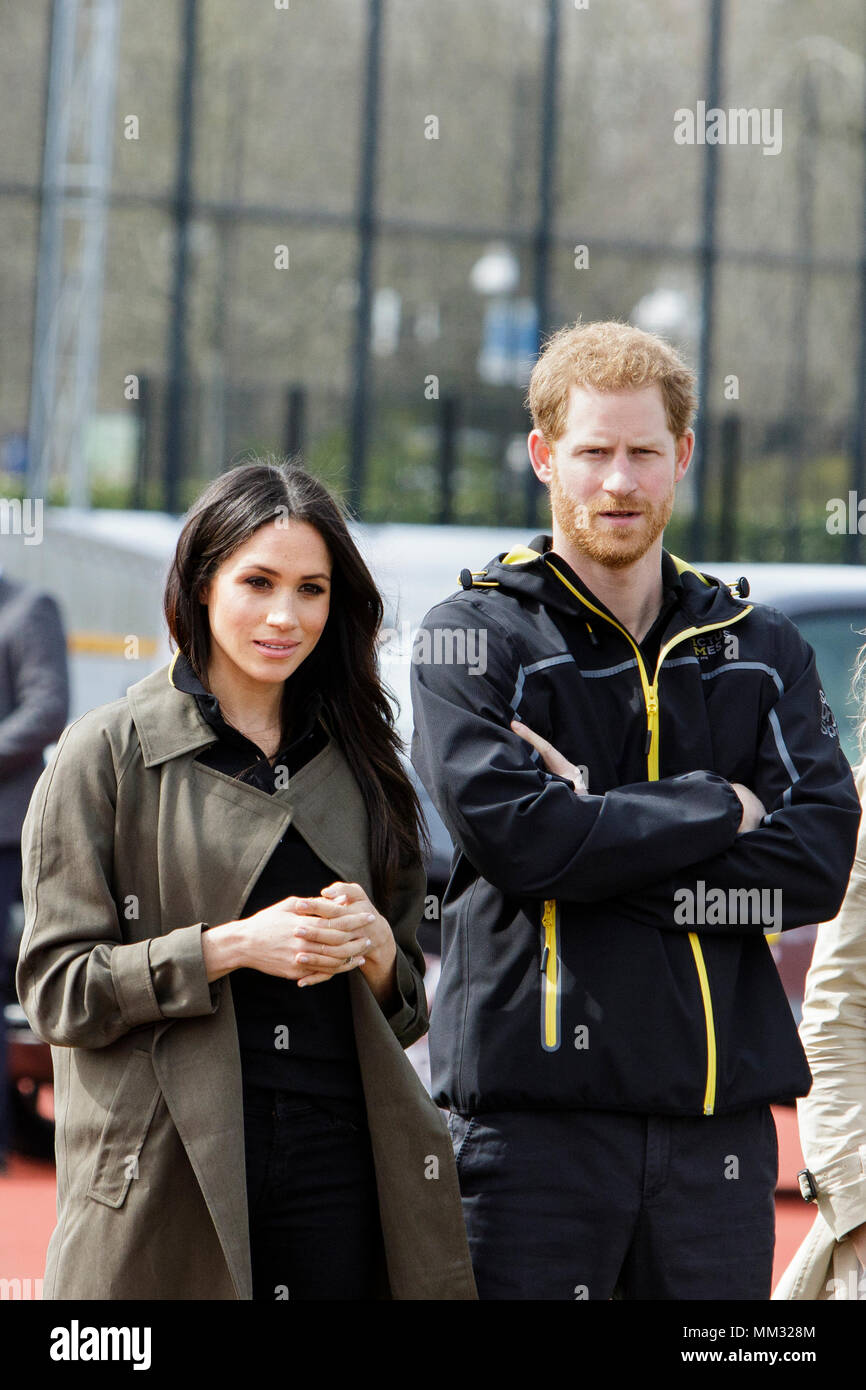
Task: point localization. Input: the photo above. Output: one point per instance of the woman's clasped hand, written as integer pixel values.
(312, 939)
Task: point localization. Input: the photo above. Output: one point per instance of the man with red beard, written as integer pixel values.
(638, 759)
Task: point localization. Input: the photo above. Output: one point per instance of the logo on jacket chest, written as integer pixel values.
(717, 643)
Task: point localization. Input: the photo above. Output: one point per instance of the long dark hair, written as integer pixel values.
(342, 666)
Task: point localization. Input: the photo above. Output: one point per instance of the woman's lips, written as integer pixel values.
(277, 651)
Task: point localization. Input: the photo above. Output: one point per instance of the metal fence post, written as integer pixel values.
(546, 193)
(448, 413)
(144, 413)
(359, 385)
(857, 482)
(296, 420)
(177, 354)
(731, 450)
(708, 257)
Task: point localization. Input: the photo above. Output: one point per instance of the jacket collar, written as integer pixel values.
(182, 675)
(702, 599)
(174, 713)
(168, 721)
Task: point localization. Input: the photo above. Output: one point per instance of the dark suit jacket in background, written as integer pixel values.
(34, 695)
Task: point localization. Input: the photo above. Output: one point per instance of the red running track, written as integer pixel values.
(27, 1213)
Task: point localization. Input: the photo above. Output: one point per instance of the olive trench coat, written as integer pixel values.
(130, 847)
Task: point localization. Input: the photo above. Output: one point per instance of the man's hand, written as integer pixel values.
(551, 757)
(754, 810)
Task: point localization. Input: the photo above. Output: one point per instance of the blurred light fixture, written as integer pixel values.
(496, 272)
(668, 312)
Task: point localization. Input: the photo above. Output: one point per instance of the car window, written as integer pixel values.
(837, 637)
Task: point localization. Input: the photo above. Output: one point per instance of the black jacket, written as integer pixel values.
(608, 950)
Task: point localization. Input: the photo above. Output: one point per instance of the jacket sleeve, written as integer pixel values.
(41, 686)
(81, 984)
(801, 854)
(525, 830)
(409, 1021)
(833, 1031)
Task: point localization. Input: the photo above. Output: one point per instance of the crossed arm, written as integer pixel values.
(525, 829)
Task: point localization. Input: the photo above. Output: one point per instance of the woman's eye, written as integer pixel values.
(313, 589)
(256, 579)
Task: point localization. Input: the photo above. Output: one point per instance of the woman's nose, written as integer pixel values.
(283, 615)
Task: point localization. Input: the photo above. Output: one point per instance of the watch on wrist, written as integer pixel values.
(808, 1186)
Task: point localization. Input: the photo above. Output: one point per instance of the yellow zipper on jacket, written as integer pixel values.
(550, 969)
(651, 700)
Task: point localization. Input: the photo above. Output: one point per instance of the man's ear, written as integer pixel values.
(540, 456)
(684, 450)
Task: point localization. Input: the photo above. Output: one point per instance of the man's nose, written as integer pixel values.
(619, 477)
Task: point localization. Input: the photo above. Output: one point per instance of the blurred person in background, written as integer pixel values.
(34, 704)
(237, 1118)
(610, 1029)
(831, 1262)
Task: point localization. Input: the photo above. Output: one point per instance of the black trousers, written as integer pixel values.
(315, 1232)
(568, 1204)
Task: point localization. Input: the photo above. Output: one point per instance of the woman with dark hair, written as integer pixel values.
(236, 1116)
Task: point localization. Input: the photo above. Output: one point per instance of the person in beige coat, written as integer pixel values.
(145, 843)
(831, 1261)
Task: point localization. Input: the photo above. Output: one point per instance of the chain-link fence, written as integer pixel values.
(343, 227)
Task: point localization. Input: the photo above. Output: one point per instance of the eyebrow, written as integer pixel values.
(266, 569)
(603, 444)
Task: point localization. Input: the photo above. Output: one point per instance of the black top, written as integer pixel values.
(290, 1039)
(672, 587)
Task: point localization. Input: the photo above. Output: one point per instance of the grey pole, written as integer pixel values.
(858, 443)
(359, 386)
(75, 193)
(708, 258)
(798, 391)
(545, 203)
(177, 354)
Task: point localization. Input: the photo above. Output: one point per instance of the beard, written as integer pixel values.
(608, 545)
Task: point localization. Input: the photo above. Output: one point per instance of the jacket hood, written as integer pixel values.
(529, 571)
